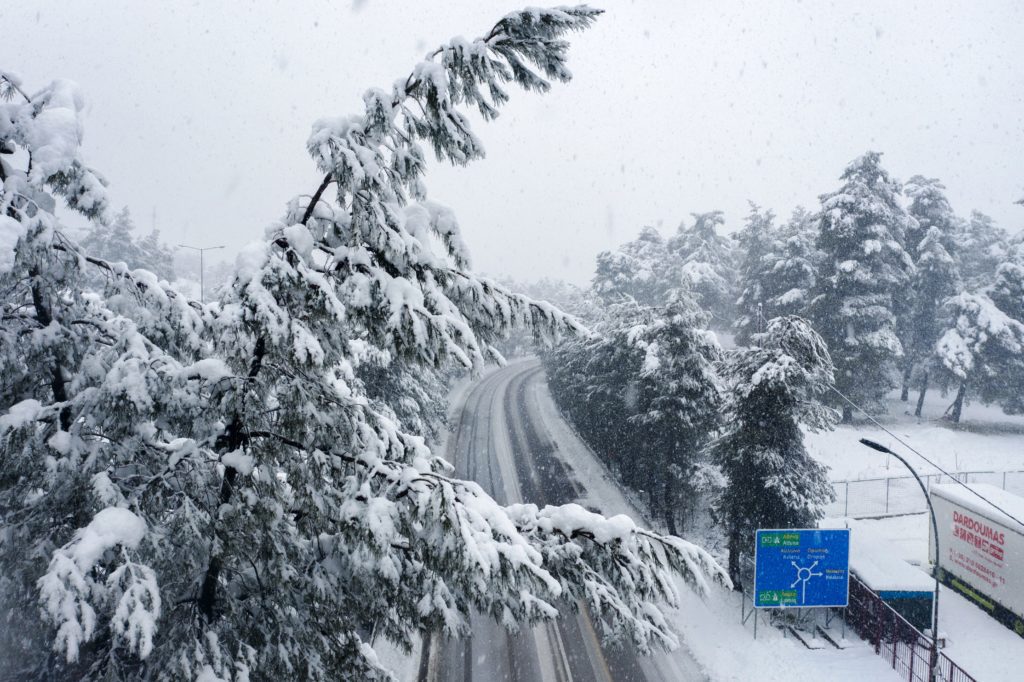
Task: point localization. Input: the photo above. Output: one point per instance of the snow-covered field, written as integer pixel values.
(986, 440)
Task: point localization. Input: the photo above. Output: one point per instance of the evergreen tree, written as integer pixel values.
(644, 393)
(678, 396)
(983, 245)
(116, 242)
(936, 279)
(158, 257)
(706, 261)
(931, 243)
(1007, 291)
(863, 275)
(638, 269)
(758, 242)
(210, 491)
(792, 275)
(773, 391)
(788, 272)
(982, 349)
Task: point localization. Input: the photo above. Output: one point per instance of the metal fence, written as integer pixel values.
(901, 495)
(899, 643)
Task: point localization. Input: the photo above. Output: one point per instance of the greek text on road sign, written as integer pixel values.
(801, 567)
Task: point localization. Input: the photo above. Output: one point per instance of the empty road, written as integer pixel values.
(499, 439)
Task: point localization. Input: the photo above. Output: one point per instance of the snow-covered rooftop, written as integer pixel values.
(877, 563)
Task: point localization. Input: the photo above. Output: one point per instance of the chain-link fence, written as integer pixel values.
(901, 494)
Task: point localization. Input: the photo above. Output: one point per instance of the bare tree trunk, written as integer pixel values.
(847, 414)
(734, 560)
(957, 407)
(920, 396)
(670, 514)
(908, 368)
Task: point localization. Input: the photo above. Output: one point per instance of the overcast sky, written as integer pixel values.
(199, 111)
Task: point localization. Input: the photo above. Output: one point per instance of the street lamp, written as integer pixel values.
(934, 657)
(202, 283)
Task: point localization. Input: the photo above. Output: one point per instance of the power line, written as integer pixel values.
(916, 452)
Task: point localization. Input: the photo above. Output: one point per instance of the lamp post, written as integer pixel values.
(202, 283)
(934, 656)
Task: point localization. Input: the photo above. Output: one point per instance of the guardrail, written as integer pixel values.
(899, 643)
(900, 494)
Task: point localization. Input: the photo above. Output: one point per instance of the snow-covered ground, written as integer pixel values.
(986, 440)
(978, 643)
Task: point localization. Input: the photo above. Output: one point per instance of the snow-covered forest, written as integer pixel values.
(705, 337)
(238, 472)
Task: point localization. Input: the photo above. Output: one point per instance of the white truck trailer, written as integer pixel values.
(981, 549)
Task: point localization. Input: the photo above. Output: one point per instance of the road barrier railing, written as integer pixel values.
(899, 643)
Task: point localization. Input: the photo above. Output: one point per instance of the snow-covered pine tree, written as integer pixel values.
(116, 242)
(772, 391)
(793, 273)
(158, 255)
(787, 274)
(936, 279)
(706, 261)
(209, 491)
(1007, 291)
(860, 286)
(594, 381)
(931, 242)
(678, 399)
(644, 394)
(983, 245)
(982, 349)
(639, 269)
(758, 241)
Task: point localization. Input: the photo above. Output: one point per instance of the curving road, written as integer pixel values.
(502, 439)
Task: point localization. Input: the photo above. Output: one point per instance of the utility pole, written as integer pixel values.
(202, 281)
(934, 657)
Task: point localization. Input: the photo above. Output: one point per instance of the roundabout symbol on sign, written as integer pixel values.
(803, 574)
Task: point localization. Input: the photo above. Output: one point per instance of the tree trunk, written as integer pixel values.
(670, 512)
(847, 414)
(233, 438)
(920, 396)
(734, 560)
(958, 405)
(44, 317)
(905, 391)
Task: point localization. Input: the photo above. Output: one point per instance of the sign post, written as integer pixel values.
(801, 567)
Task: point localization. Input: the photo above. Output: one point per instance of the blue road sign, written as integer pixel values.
(801, 567)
